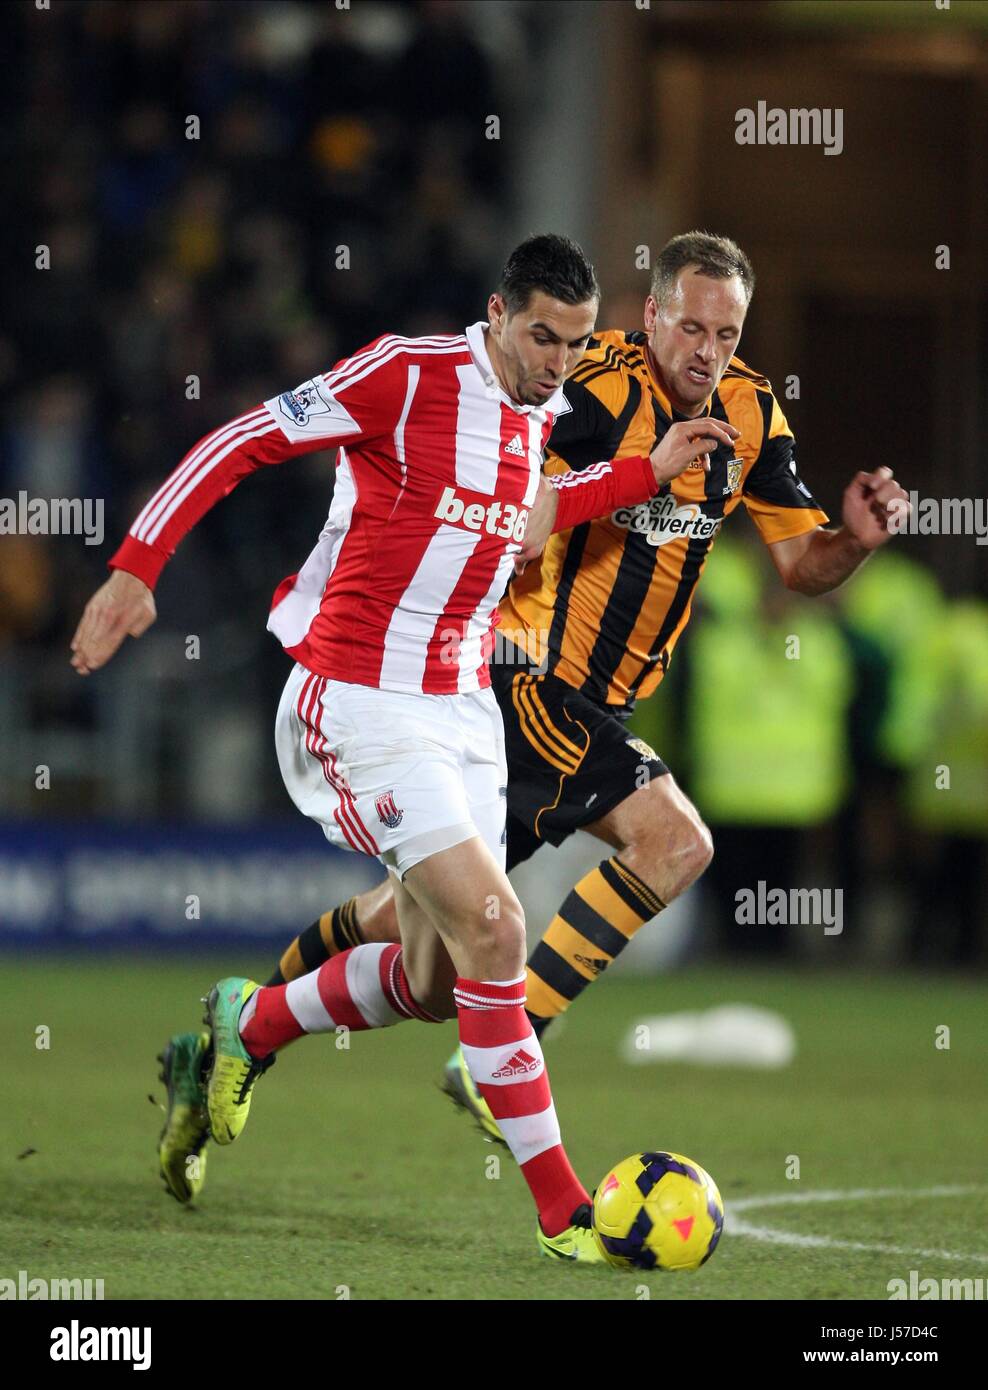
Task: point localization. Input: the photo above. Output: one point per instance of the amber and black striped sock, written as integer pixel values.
(333, 932)
(590, 930)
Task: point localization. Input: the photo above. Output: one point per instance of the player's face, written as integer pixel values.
(694, 334)
(534, 349)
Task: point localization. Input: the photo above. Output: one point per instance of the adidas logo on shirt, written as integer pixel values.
(517, 1064)
(516, 447)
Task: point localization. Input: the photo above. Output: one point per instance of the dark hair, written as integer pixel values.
(716, 256)
(553, 264)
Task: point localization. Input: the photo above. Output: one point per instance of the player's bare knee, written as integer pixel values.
(690, 850)
(701, 848)
(496, 941)
(512, 943)
(672, 855)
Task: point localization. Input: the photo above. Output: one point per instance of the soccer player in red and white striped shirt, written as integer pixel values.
(388, 733)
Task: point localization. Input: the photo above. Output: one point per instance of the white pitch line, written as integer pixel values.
(736, 1227)
(849, 1194)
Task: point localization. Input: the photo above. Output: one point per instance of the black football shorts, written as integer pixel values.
(570, 761)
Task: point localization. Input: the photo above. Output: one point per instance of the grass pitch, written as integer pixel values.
(356, 1175)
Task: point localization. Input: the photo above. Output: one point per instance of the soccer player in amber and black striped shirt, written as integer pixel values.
(592, 625)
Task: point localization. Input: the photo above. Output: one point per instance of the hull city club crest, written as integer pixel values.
(387, 811)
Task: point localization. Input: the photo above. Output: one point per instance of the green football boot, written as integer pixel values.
(182, 1145)
(458, 1084)
(230, 1079)
(576, 1243)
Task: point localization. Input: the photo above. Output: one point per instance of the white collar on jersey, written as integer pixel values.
(556, 404)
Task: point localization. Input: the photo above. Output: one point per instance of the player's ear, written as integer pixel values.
(497, 311)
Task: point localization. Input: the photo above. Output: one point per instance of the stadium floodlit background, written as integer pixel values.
(234, 194)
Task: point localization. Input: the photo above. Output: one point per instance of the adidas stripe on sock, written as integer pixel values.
(505, 1060)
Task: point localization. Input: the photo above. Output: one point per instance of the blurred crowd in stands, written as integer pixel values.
(234, 196)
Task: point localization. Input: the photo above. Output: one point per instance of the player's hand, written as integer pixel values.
(689, 440)
(541, 519)
(122, 607)
(875, 508)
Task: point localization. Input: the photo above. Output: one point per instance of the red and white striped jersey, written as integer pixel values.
(436, 471)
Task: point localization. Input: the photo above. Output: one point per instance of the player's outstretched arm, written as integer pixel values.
(567, 499)
(361, 397)
(122, 607)
(875, 507)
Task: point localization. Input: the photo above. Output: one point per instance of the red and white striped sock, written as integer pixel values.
(505, 1060)
(365, 987)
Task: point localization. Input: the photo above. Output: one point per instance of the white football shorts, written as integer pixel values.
(398, 776)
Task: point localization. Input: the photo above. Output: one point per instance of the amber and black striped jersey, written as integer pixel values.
(610, 598)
